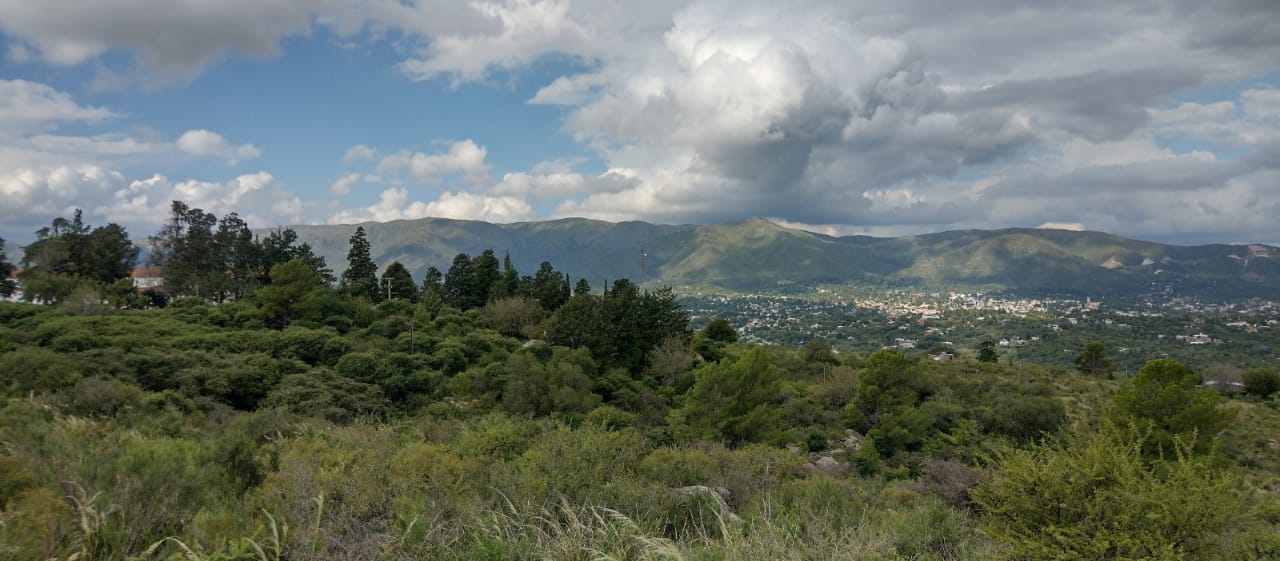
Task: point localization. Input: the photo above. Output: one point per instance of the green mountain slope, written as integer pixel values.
(758, 254)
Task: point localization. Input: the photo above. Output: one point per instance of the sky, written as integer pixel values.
(1152, 119)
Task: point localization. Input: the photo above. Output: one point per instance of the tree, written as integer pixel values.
(1093, 360)
(111, 254)
(7, 286)
(294, 286)
(185, 248)
(484, 267)
(561, 385)
(549, 288)
(69, 253)
(720, 330)
(281, 246)
(583, 287)
(735, 402)
(361, 276)
(508, 283)
(398, 283)
(460, 290)
(1163, 396)
(514, 316)
(987, 352)
(1261, 382)
(886, 406)
(236, 254)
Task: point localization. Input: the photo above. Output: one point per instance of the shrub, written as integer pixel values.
(1163, 395)
(1261, 382)
(36, 370)
(1094, 496)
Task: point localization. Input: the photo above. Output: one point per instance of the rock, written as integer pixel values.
(721, 496)
(852, 440)
(831, 467)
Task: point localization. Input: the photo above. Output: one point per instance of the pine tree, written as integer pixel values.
(987, 352)
(583, 287)
(1094, 360)
(398, 283)
(184, 247)
(508, 283)
(7, 286)
(459, 284)
(361, 276)
(278, 247)
(485, 269)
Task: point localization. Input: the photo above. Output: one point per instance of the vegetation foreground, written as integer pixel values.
(493, 416)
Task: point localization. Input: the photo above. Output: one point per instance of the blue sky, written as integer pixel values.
(1156, 119)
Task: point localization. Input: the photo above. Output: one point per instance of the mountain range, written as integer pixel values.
(757, 255)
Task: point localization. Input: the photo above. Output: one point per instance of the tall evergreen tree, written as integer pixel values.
(111, 256)
(508, 283)
(361, 276)
(432, 295)
(184, 248)
(7, 285)
(485, 269)
(280, 246)
(238, 255)
(460, 290)
(548, 287)
(1093, 360)
(68, 253)
(398, 284)
(583, 287)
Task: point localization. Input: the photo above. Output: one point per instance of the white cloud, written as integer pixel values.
(1262, 104)
(1073, 226)
(871, 116)
(359, 153)
(470, 206)
(342, 185)
(30, 197)
(207, 143)
(464, 157)
(257, 197)
(394, 204)
(33, 107)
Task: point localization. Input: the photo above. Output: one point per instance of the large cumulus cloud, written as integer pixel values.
(1145, 117)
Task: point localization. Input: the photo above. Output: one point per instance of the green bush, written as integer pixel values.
(1164, 396)
(36, 371)
(1094, 496)
(1261, 382)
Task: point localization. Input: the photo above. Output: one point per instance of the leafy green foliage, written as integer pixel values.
(274, 417)
(1093, 360)
(1094, 496)
(69, 254)
(1261, 382)
(296, 291)
(1164, 396)
(987, 352)
(718, 329)
(737, 402)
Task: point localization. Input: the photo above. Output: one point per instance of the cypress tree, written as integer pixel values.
(361, 276)
(397, 282)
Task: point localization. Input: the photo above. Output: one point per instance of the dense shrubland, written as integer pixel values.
(489, 415)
